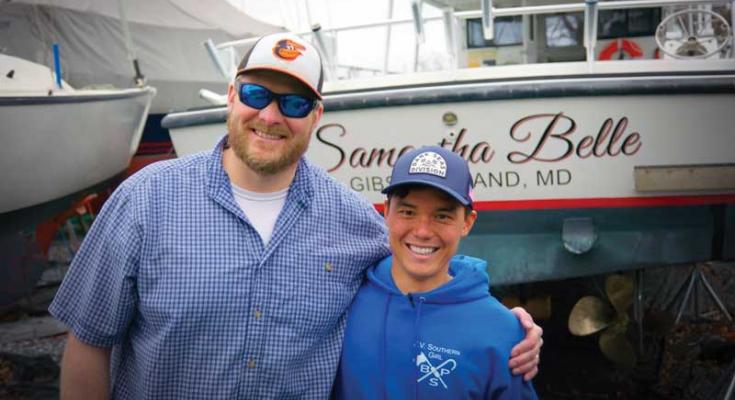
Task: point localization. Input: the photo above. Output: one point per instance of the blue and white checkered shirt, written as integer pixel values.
(174, 278)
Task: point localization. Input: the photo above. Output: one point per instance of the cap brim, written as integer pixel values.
(283, 71)
(450, 192)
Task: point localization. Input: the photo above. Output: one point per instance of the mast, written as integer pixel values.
(139, 79)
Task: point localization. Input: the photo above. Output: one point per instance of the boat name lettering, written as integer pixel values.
(361, 157)
(479, 152)
(609, 141)
(369, 183)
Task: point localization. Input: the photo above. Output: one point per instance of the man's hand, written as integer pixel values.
(524, 358)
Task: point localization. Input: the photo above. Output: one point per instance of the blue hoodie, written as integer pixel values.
(452, 342)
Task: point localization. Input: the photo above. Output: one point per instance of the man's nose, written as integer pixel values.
(422, 228)
(271, 114)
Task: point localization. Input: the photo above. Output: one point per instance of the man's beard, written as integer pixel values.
(239, 142)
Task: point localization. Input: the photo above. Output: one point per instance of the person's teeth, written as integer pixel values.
(266, 135)
(422, 250)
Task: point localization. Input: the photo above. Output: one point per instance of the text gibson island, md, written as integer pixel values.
(548, 141)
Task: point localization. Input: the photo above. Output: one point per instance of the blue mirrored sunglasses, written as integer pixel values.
(291, 105)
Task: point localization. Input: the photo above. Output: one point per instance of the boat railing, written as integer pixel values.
(487, 14)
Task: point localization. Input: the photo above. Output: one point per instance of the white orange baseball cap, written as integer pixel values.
(289, 54)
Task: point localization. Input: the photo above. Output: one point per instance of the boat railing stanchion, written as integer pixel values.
(488, 23)
(732, 47)
(234, 60)
(331, 71)
(590, 31)
(214, 55)
(389, 28)
(418, 24)
(449, 34)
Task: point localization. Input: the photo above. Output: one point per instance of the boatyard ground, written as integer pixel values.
(694, 359)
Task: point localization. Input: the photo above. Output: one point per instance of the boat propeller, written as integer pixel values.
(591, 315)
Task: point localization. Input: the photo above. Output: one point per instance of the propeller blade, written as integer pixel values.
(616, 347)
(589, 315)
(619, 289)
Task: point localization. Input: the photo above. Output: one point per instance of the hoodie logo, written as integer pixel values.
(434, 375)
(287, 49)
(429, 163)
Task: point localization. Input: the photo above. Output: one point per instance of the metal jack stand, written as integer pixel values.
(730, 388)
(698, 275)
(639, 307)
(694, 276)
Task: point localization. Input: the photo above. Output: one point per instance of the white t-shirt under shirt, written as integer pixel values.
(262, 209)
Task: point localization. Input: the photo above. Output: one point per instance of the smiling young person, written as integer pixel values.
(227, 274)
(423, 325)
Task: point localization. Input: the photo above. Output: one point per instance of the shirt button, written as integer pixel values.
(251, 363)
(257, 314)
(328, 267)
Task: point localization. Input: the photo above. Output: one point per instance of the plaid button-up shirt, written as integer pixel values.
(174, 278)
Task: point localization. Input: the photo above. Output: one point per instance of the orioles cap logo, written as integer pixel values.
(287, 49)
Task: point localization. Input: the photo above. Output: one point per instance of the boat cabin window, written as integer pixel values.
(508, 32)
(628, 23)
(564, 30)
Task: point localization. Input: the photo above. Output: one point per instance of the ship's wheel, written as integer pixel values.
(693, 33)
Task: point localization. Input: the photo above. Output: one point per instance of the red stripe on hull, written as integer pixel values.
(609, 202)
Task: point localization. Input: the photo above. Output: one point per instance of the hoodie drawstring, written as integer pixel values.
(384, 343)
(417, 337)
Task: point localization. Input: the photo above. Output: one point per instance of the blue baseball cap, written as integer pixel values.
(436, 167)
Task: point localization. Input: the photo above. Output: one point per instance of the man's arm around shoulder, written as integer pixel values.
(85, 371)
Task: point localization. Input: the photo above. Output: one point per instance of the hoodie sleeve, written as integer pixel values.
(515, 389)
(502, 384)
(518, 390)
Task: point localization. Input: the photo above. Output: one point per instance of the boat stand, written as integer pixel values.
(639, 307)
(697, 275)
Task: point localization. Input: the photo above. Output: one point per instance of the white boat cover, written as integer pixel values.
(167, 38)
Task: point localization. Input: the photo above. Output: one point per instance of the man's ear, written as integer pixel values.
(231, 96)
(469, 222)
(386, 204)
(318, 111)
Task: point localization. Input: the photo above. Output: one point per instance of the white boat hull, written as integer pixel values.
(600, 128)
(54, 146)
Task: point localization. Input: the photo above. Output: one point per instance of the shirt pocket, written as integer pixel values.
(321, 294)
(185, 294)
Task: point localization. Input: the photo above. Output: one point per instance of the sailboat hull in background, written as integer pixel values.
(55, 146)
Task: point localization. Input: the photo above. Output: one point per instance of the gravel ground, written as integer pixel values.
(29, 368)
(51, 346)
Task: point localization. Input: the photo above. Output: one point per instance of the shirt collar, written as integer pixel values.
(219, 187)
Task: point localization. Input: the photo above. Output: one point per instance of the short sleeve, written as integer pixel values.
(97, 298)
(371, 226)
